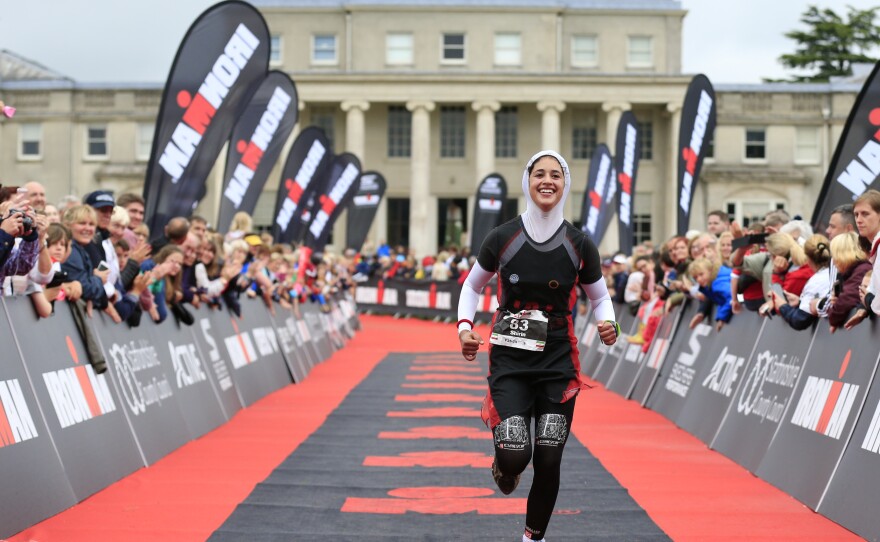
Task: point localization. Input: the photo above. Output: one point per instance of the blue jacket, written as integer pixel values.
(718, 294)
(79, 267)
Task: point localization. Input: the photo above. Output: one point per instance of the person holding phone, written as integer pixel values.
(852, 264)
(539, 259)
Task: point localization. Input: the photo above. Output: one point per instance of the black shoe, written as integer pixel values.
(505, 482)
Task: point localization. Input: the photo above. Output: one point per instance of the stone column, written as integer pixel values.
(422, 206)
(485, 154)
(671, 184)
(354, 127)
(550, 133)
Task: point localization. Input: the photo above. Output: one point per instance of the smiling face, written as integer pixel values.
(546, 183)
(83, 230)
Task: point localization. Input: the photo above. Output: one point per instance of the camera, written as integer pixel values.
(26, 222)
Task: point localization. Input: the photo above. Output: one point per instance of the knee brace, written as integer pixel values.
(552, 430)
(511, 434)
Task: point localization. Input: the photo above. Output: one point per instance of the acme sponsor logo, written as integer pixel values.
(201, 108)
(692, 152)
(724, 373)
(16, 423)
(252, 151)
(825, 404)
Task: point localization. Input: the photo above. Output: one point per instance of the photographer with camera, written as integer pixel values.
(20, 238)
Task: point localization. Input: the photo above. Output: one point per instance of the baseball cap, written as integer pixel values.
(100, 199)
(606, 262)
(253, 240)
(620, 258)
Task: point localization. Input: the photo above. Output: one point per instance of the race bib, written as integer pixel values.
(526, 330)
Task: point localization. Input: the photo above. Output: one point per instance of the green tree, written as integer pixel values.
(831, 45)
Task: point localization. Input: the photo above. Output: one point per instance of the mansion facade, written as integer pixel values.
(437, 95)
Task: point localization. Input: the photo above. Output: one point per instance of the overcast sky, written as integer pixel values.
(732, 41)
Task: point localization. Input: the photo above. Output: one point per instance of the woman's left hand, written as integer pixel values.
(607, 333)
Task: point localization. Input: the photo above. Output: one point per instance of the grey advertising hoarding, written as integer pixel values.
(32, 472)
(685, 358)
(758, 404)
(216, 359)
(81, 408)
(851, 497)
(591, 349)
(257, 320)
(607, 365)
(717, 380)
(194, 388)
(317, 335)
(822, 413)
(656, 356)
(237, 346)
(144, 380)
(285, 328)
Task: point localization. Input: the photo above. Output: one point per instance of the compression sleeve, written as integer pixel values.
(470, 295)
(597, 291)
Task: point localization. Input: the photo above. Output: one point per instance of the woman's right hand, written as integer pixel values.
(470, 343)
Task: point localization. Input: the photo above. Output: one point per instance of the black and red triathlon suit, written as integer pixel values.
(532, 276)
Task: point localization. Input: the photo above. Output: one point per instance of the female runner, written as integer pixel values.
(534, 369)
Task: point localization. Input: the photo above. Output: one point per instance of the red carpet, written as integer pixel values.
(691, 492)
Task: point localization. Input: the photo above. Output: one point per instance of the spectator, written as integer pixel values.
(82, 222)
(165, 270)
(440, 270)
(620, 273)
(199, 226)
(134, 206)
(175, 233)
(20, 240)
(36, 196)
(67, 202)
(867, 213)
(725, 247)
(241, 225)
(714, 283)
(774, 220)
(52, 214)
(717, 222)
(852, 264)
(799, 230)
(790, 267)
(801, 311)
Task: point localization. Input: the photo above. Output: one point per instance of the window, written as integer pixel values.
(452, 131)
(806, 150)
(399, 49)
(324, 118)
(646, 133)
(453, 48)
(96, 141)
(756, 144)
(398, 221)
(585, 51)
(583, 137)
(144, 141)
(275, 45)
(710, 148)
(505, 132)
(507, 49)
(399, 131)
(641, 222)
(747, 212)
(452, 221)
(30, 137)
(640, 52)
(324, 49)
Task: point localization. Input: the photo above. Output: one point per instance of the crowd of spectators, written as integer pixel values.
(96, 253)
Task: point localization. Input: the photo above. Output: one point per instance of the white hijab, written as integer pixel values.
(542, 225)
